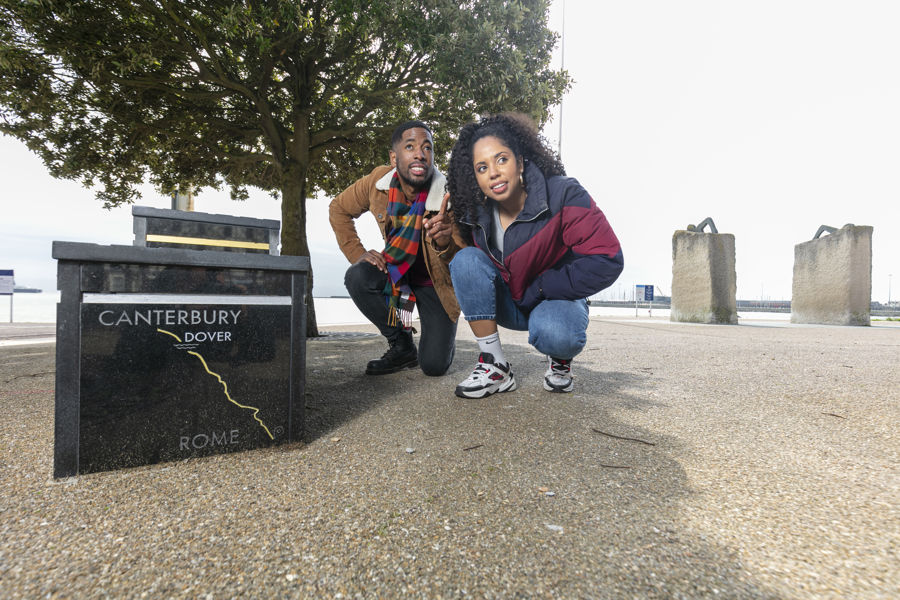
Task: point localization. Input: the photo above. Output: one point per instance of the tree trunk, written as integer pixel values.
(293, 232)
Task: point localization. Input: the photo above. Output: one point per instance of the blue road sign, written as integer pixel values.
(6, 281)
(643, 292)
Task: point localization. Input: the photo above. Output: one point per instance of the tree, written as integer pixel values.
(290, 96)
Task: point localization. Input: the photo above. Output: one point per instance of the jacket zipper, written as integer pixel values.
(499, 263)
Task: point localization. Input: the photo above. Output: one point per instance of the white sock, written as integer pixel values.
(491, 345)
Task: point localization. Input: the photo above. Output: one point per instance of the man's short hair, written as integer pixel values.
(402, 127)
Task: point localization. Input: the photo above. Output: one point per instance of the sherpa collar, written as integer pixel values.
(435, 194)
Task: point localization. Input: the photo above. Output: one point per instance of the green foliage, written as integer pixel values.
(287, 96)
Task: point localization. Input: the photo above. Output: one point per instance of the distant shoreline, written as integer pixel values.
(340, 310)
(775, 306)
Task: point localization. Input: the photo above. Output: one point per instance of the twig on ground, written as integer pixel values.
(833, 415)
(28, 375)
(619, 437)
(472, 447)
(614, 466)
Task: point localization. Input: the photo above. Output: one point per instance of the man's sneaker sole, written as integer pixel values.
(558, 388)
(507, 386)
(407, 365)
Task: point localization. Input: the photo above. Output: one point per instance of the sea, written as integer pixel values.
(41, 308)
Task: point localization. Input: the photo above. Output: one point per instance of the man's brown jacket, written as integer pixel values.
(371, 194)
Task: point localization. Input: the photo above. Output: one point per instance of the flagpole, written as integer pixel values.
(562, 67)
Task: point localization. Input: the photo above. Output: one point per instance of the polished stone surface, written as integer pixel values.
(167, 354)
(162, 382)
(182, 279)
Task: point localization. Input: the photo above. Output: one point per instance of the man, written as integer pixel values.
(408, 201)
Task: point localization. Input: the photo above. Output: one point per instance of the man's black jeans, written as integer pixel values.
(437, 341)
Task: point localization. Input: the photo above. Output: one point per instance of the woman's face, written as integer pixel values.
(497, 169)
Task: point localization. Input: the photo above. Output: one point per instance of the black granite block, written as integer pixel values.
(68, 370)
(168, 279)
(163, 382)
(170, 354)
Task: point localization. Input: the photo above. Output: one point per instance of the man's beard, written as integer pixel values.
(417, 187)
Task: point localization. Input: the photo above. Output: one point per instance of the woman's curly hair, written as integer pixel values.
(515, 130)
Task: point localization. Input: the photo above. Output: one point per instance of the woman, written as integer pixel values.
(537, 247)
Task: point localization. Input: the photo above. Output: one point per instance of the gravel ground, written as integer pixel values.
(751, 461)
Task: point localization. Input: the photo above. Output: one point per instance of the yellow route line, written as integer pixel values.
(168, 333)
(224, 385)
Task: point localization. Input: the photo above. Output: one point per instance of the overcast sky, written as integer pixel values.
(771, 117)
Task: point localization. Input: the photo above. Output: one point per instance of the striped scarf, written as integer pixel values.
(401, 251)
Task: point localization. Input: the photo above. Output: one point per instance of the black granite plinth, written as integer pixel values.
(171, 354)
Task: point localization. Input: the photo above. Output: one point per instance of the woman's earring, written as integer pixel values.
(522, 180)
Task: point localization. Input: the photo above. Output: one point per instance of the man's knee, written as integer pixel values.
(434, 369)
(434, 364)
(360, 276)
(352, 276)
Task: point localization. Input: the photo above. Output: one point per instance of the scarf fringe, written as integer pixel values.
(397, 316)
(400, 308)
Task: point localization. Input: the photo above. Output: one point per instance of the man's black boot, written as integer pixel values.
(401, 355)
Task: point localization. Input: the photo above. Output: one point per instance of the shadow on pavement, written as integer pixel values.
(549, 487)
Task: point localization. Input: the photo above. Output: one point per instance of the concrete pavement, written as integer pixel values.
(751, 461)
(19, 334)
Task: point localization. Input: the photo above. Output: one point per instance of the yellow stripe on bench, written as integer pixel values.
(177, 239)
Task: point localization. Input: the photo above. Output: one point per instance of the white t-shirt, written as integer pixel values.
(497, 230)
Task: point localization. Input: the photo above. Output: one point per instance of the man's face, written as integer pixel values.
(413, 158)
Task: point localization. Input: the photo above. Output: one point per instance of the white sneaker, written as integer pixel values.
(486, 379)
(558, 377)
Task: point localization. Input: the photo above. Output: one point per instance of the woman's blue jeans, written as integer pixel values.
(555, 327)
